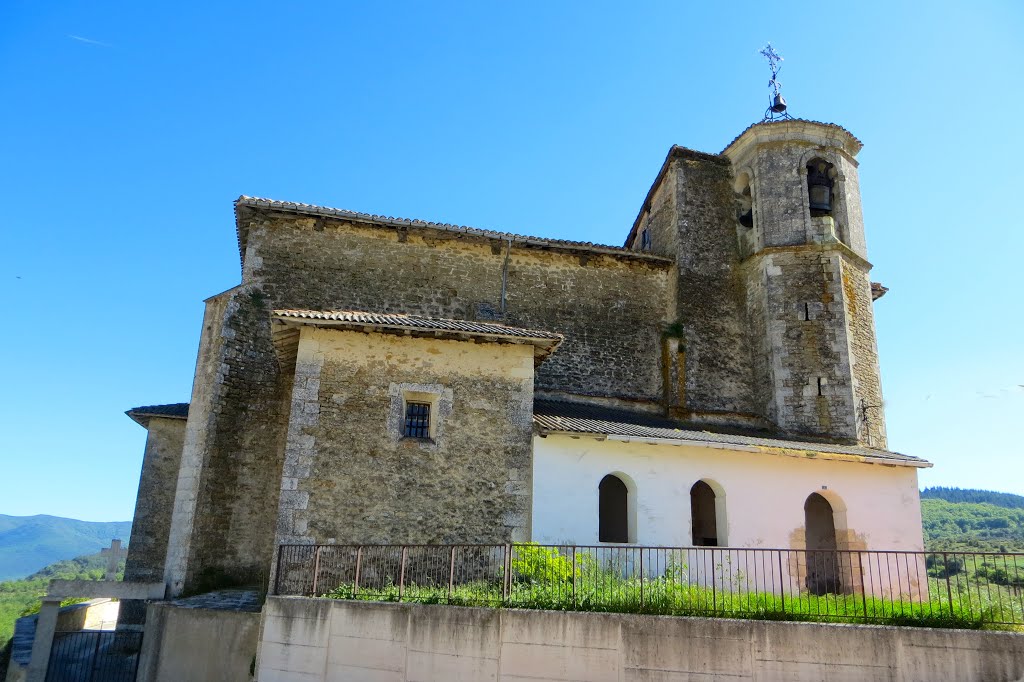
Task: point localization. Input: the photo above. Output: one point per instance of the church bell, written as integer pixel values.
(778, 104)
(819, 190)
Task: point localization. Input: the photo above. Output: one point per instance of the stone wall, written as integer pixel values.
(151, 525)
(227, 491)
(690, 216)
(610, 308)
(322, 639)
(867, 383)
(806, 341)
(351, 477)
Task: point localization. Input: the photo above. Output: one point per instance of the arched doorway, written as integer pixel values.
(822, 558)
(613, 510)
(704, 520)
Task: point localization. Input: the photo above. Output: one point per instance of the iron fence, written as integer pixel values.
(960, 589)
(94, 656)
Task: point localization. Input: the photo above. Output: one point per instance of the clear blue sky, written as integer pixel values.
(127, 130)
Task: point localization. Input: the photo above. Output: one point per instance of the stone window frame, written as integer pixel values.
(437, 396)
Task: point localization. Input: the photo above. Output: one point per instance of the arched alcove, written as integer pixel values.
(613, 510)
(744, 200)
(823, 574)
(821, 177)
(703, 518)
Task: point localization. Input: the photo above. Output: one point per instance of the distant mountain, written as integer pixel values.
(28, 543)
(1007, 500)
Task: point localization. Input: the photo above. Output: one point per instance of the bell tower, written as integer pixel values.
(804, 261)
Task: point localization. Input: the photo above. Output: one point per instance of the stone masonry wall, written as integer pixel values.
(151, 525)
(351, 477)
(867, 383)
(228, 484)
(237, 502)
(805, 342)
(712, 295)
(206, 389)
(690, 217)
(610, 309)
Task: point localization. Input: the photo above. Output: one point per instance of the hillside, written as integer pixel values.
(1007, 500)
(972, 520)
(18, 597)
(28, 543)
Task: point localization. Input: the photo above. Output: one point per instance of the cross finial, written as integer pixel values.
(777, 107)
(773, 58)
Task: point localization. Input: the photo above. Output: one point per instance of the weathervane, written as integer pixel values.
(776, 111)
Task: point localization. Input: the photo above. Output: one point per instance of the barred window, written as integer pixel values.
(417, 420)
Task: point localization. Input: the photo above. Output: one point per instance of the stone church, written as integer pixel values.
(712, 382)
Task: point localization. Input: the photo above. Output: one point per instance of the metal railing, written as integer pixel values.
(94, 656)
(958, 589)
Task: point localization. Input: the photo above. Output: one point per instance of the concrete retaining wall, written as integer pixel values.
(311, 640)
(197, 644)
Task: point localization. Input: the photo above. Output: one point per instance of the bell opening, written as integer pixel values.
(819, 187)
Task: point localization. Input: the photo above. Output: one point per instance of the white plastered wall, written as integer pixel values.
(764, 494)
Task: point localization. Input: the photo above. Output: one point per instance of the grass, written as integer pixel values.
(665, 596)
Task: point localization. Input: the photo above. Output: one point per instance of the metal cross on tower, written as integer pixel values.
(776, 110)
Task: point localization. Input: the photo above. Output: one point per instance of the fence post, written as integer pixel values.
(574, 576)
(95, 656)
(949, 587)
(714, 587)
(451, 575)
(401, 573)
(863, 587)
(277, 574)
(359, 560)
(506, 583)
(641, 577)
(782, 586)
(316, 568)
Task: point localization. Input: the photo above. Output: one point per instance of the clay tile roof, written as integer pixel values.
(142, 415)
(417, 322)
(516, 239)
(553, 416)
(544, 342)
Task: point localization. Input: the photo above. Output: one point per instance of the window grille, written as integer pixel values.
(417, 420)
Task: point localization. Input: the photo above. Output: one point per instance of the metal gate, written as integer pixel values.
(94, 656)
